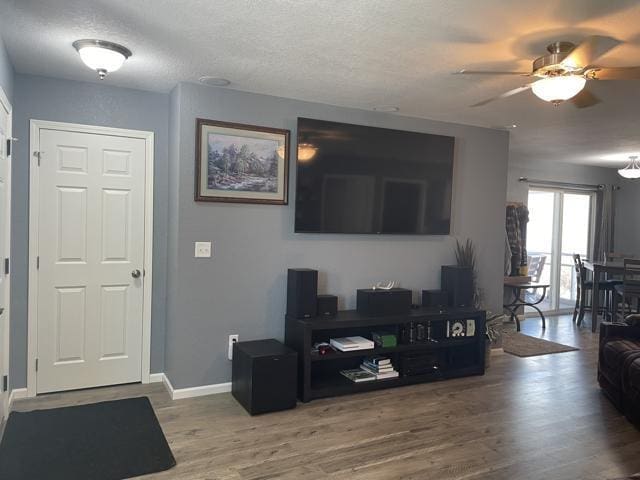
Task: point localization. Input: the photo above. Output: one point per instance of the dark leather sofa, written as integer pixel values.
(619, 367)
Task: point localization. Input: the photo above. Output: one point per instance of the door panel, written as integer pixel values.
(5, 124)
(114, 308)
(89, 304)
(70, 324)
(72, 225)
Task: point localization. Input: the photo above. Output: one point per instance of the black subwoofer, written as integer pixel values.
(264, 376)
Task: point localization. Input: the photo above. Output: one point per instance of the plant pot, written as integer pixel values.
(487, 353)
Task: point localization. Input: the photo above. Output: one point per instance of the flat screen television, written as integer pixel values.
(358, 179)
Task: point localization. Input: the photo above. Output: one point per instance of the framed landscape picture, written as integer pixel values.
(241, 163)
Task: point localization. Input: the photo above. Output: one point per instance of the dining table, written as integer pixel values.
(599, 269)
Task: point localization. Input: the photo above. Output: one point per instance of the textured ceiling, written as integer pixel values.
(356, 53)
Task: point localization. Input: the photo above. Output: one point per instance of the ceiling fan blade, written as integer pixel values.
(614, 73)
(510, 93)
(585, 53)
(490, 72)
(585, 99)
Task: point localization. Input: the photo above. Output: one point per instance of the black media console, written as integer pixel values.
(319, 375)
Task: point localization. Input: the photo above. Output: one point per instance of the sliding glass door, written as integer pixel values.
(560, 224)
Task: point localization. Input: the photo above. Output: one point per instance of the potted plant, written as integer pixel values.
(494, 325)
(466, 257)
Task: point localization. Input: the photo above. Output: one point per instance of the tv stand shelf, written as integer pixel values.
(319, 375)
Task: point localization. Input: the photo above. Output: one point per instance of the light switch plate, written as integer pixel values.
(203, 250)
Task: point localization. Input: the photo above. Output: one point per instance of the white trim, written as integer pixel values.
(156, 378)
(192, 392)
(6, 348)
(16, 394)
(32, 323)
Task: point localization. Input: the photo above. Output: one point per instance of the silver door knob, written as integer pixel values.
(136, 273)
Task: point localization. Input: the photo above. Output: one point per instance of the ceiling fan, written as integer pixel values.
(563, 72)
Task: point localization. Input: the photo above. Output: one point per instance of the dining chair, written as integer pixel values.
(614, 278)
(536, 266)
(618, 257)
(629, 289)
(584, 287)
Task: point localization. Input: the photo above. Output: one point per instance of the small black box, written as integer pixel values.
(383, 302)
(327, 305)
(434, 298)
(302, 292)
(264, 376)
(458, 283)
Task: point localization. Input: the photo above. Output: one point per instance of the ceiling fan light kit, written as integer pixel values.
(558, 88)
(563, 72)
(102, 56)
(632, 170)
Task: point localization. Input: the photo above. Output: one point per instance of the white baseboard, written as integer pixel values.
(16, 394)
(156, 378)
(192, 392)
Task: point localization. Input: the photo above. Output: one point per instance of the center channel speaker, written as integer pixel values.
(383, 302)
(302, 292)
(458, 283)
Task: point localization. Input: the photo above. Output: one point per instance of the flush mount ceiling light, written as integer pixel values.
(214, 81)
(632, 170)
(306, 152)
(102, 56)
(556, 89)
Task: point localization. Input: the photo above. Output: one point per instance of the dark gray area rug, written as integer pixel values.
(100, 441)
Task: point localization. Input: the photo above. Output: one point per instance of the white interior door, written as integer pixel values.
(91, 255)
(5, 204)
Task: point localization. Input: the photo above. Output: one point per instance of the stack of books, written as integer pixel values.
(379, 366)
(358, 375)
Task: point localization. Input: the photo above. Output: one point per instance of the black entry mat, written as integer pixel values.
(101, 441)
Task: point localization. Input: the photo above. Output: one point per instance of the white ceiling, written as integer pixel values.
(357, 53)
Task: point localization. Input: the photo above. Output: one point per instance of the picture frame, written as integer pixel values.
(241, 163)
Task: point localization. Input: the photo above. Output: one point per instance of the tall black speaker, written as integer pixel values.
(458, 283)
(302, 292)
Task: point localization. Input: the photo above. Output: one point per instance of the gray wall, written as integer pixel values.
(6, 72)
(92, 104)
(242, 288)
(557, 172)
(627, 231)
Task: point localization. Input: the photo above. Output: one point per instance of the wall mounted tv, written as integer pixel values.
(358, 179)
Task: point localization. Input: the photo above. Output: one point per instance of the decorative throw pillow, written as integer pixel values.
(633, 320)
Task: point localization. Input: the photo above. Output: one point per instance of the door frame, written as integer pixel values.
(34, 187)
(6, 348)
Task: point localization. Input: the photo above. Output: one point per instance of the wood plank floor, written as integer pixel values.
(536, 418)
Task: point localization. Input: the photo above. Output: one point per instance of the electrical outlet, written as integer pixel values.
(203, 250)
(232, 339)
